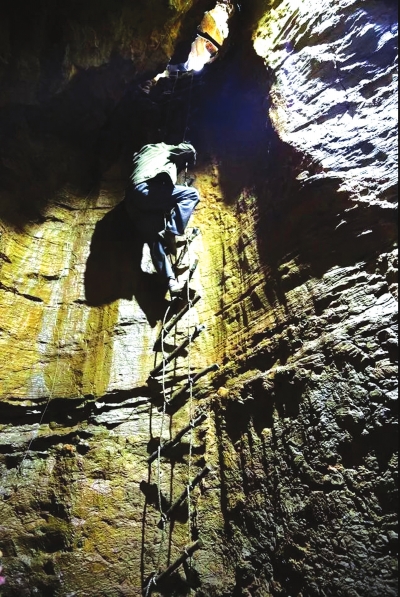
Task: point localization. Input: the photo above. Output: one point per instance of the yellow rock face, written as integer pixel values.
(58, 345)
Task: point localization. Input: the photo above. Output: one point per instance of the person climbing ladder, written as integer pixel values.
(159, 208)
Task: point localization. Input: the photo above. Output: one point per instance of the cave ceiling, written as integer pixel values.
(73, 88)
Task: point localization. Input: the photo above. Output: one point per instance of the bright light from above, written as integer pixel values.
(199, 55)
(213, 31)
(198, 62)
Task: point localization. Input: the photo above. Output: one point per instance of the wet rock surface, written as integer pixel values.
(298, 281)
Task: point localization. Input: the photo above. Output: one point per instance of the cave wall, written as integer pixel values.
(295, 128)
(308, 440)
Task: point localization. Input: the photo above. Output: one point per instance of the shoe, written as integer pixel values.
(176, 287)
(169, 241)
(181, 241)
(189, 182)
(194, 232)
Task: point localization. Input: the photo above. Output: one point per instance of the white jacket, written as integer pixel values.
(159, 158)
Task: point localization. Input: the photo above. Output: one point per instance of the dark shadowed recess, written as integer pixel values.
(298, 219)
(55, 132)
(113, 267)
(54, 143)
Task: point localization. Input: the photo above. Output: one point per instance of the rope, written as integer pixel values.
(189, 106)
(163, 519)
(189, 372)
(152, 581)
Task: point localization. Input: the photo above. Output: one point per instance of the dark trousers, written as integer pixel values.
(153, 207)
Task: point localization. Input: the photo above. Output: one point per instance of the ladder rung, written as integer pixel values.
(174, 320)
(174, 402)
(195, 232)
(175, 353)
(167, 515)
(157, 578)
(170, 444)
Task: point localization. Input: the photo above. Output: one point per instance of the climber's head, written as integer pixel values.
(183, 155)
(189, 153)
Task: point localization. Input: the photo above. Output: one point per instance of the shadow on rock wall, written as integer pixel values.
(229, 120)
(113, 268)
(312, 220)
(70, 138)
(302, 212)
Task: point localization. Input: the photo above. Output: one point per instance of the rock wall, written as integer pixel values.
(307, 440)
(297, 277)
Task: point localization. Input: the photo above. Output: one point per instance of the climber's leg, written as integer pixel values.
(185, 200)
(146, 205)
(160, 260)
(151, 196)
(164, 269)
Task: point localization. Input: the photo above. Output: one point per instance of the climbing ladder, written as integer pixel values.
(171, 404)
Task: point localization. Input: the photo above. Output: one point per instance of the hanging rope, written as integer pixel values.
(189, 373)
(152, 583)
(163, 518)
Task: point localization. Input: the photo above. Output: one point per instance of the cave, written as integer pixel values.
(239, 441)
